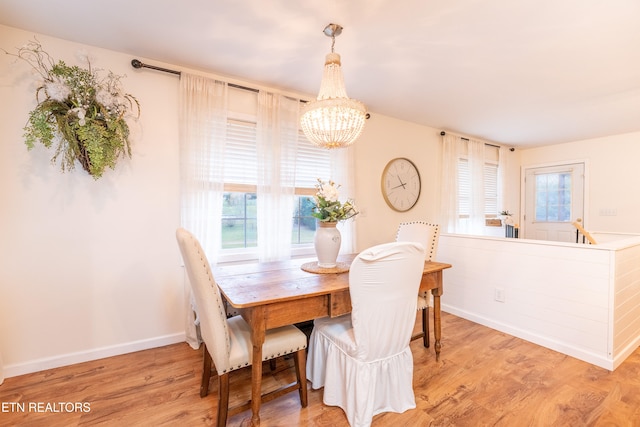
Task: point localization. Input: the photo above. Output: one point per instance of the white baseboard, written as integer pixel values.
(621, 355)
(37, 365)
(578, 353)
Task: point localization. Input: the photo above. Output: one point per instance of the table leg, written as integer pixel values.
(437, 331)
(257, 323)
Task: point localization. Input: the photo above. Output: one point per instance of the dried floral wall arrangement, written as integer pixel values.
(79, 113)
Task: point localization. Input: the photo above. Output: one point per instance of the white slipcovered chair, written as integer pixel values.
(427, 235)
(363, 359)
(227, 342)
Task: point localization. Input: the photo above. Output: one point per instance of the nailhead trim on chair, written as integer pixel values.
(273, 356)
(437, 227)
(265, 358)
(220, 303)
(424, 295)
(222, 308)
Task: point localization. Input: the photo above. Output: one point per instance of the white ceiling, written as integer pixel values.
(517, 72)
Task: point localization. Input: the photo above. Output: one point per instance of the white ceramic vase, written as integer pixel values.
(327, 242)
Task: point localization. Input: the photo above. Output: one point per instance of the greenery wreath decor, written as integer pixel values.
(82, 114)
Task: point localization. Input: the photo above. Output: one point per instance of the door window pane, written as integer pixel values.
(553, 197)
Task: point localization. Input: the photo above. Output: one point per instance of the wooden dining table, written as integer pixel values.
(273, 294)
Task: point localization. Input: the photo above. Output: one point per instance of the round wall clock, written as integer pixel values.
(400, 184)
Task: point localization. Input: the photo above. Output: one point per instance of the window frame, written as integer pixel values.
(251, 253)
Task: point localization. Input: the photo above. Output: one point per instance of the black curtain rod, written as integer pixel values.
(135, 63)
(443, 133)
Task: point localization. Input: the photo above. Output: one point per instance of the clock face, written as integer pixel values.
(401, 184)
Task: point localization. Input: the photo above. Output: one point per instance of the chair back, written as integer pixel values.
(383, 284)
(209, 304)
(421, 232)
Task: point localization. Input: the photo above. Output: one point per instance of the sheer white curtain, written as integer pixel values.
(277, 149)
(458, 151)
(502, 178)
(277, 142)
(476, 159)
(451, 153)
(203, 119)
(342, 172)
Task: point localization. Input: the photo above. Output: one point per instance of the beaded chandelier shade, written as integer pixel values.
(333, 120)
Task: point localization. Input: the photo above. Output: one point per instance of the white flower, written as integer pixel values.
(57, 90)
(107, 99)
(327, 206)
(329, 193)
(81, 113)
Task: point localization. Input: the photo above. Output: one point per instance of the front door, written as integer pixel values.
(554, 199)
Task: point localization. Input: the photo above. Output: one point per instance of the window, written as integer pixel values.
(239, 220)
(489, 184)
(304, 225)
(553, 197)
(491, 188)
(243, 164)
(239, 217)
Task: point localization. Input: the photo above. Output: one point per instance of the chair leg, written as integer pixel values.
(223, 399)
(300, 361)
(425, 327)
(206, 371)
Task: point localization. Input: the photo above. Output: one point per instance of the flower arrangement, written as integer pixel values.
(327, 206)
(507, 217)
(81, 113)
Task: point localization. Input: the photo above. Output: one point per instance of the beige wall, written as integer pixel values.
(88, 268)
(612, 174)
(384, 139)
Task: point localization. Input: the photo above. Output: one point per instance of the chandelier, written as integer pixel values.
(333, 120)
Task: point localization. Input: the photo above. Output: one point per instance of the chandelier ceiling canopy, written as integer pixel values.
(333, 120)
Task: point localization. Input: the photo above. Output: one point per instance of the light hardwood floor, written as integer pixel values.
(484, 378)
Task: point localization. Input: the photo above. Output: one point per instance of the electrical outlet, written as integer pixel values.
(608, 212)
(499, 294)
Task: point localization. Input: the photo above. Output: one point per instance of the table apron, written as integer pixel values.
(334, 304)
(432, 281)
(283, 313)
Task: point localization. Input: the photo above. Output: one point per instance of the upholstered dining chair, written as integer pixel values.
(427, 235)
(363, 359)
(227, 341)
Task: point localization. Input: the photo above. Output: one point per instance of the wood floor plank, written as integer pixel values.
(484, 378)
